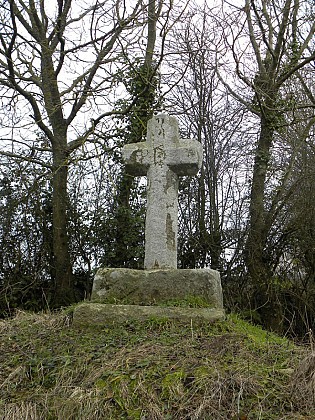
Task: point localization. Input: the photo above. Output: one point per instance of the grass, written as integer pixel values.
(154, 370)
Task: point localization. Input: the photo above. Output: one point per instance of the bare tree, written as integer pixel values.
(210, 209)
(268, 45)
(59, 67)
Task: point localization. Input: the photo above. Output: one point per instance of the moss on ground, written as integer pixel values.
(153, 370)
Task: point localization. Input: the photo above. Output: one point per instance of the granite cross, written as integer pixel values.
(163, 157)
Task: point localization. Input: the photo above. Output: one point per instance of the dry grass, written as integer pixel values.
(303, 383)
(157, 370)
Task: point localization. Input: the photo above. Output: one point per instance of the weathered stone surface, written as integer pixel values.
(97, 314)
(153, 287)
(162, 158)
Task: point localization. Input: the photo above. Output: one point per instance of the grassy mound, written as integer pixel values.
(153, 370)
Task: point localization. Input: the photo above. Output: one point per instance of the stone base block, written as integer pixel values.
(101, 315)
(172, 287)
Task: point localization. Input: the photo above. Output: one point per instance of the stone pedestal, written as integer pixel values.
(158, 287)
(121, 295)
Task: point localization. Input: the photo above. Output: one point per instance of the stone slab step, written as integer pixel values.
(97, 314)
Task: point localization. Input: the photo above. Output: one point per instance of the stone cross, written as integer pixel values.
(163, 157)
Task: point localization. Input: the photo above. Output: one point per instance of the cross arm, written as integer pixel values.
(136, 158)
(185, 158)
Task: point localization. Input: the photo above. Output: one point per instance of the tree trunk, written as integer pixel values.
(264, 291)
(209, 235)
(258, 230)
(203, 233)
(64, 285)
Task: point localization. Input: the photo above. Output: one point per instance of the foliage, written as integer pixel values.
(122, 230)
(142, 84)
(26, 238)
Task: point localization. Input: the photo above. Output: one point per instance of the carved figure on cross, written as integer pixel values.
(163, 157)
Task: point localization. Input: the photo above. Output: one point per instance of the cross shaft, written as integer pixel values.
(163, 157)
